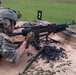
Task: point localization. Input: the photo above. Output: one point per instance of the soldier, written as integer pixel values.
(8, 20)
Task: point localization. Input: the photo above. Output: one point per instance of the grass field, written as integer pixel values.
(58, 11)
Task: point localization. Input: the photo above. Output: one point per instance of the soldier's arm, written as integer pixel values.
(25, 44)
(15, 54)
(21, 49)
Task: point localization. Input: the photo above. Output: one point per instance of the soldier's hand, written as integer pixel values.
(29, 38)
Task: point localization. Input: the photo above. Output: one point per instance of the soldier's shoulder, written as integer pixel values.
(2, 35)
(6, 37)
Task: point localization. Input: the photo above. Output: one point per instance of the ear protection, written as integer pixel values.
(7, 23)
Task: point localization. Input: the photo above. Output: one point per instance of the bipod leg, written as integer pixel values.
(27, 67)
(49, 40)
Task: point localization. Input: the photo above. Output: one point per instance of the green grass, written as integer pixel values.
(58, 11)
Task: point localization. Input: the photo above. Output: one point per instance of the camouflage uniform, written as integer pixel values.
(7, 48)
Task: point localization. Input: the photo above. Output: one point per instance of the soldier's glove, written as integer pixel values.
(29, 38)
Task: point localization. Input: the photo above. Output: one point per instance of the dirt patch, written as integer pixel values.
(65, 64)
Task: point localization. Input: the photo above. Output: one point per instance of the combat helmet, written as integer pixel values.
(7, 15)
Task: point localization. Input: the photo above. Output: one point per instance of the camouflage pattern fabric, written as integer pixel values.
(7, 49)
(8, 13)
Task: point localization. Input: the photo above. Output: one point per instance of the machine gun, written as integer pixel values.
(44, 29)
(40, 31)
